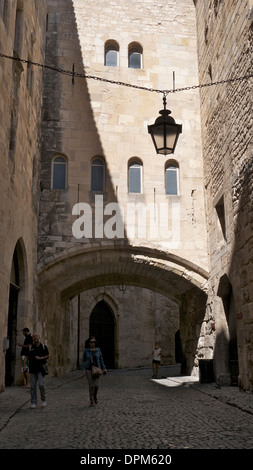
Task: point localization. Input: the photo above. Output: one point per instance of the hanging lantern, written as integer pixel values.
(165, 132)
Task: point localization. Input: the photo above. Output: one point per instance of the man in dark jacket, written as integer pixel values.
(24, 351)
(38, 355)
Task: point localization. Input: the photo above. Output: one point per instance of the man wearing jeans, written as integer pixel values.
(37, 356)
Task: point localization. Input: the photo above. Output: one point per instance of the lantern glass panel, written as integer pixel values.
(158, 135)
(171, 135)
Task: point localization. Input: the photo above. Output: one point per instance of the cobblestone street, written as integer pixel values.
(134, 412)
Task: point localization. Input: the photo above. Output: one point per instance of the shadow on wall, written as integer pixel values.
(233, 352)
(192, 314)
(68, 130)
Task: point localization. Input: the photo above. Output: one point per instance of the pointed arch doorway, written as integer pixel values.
(10, 357)
(102, 326)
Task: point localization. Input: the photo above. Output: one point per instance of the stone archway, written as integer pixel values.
(17, 300)
(117, 264)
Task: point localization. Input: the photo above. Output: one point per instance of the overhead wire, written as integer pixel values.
(73, 74)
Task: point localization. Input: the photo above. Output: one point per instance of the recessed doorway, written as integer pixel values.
(102, 326)
(10, 357)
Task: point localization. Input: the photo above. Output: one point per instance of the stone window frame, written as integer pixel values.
(220, 211)
(93, 186)
(139, 164)
(135, 48)
(64, 161)
(171, 165)
(111, 46)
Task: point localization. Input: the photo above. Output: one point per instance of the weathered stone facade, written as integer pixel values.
(90, 118)
(129, 287)
(224, 32)
(22, 34)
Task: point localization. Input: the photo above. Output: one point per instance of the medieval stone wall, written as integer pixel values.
(154, 317)
(91, 118)
(153, 285)
(22, 32)
(224, 35)
(85, 118)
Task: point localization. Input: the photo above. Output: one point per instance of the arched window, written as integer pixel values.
(171, 178)
(59, 173)
(135, 52)
(134, 176)
(111, 53)
(97, 175)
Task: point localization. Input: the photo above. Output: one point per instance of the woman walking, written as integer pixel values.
(92, 356)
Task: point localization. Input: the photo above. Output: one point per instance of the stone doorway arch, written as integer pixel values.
(226, 350)
(17, 301)
(102, 326)
(10, 357)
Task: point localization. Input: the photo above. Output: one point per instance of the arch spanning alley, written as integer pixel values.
(74, 272)
(98, 265)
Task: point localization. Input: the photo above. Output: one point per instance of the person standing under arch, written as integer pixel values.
(156, 354)
(92, 355)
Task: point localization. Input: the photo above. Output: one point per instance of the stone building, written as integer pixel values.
(126, 246)
(22, 35)
(224, 36)
(130, 280)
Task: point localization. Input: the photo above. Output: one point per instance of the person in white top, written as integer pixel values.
(156, 355)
